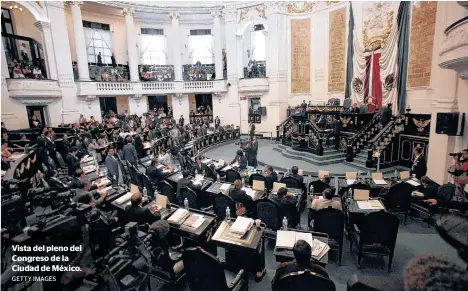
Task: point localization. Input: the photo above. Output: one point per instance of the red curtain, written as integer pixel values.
(376, 82)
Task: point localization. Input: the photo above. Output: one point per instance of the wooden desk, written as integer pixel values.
(201, 234)
(214, 190)
(248, 255)
(283, 255)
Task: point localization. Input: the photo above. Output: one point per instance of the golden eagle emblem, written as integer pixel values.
(345, 121)
(421, 124)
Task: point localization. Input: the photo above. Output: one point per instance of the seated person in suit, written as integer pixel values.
(135, 212)
(429, 188)
(295, 174)
(271, 177)
(326, 201)
(288, 205)
(154, 174)
(55, 183)
(419, 167)
(160, 238)
(83, 195)
(80, 179)
(239, 196)
(186, 182)
(199, 168)
(211, 172)
(321, 184)
(240, 159)
(302, 253)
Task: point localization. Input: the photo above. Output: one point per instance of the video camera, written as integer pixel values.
(458, 155)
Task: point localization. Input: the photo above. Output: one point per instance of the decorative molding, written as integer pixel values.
(56, 4)
(30, 88)
(276, 7)
(90, 99)
(9, 115)
(253, 86)
(306, 8)
(66, 81)
(174, 15)
(230, 14)
(460, 65)
(127, 11)
(456, 37)
(77, 3)
(41, 25)
(217, 14)
(373, 42)
(37, 101)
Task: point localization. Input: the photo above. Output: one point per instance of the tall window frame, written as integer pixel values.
(98, 39)
(152, 47)
(259, 45)
(201, 46)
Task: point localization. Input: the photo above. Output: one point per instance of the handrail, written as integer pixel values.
(366, 127)
(314, 129)
(383, 130)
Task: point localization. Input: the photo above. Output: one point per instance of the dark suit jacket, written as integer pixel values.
(154, 174)
(386, 115)
(197, 169)
(270, 179)
(72, 163)
(298, 177)
(419, 167)
(355, 110)
(430, 192)
(242, 162)
(57, 184)
(288, 205)
(130, 154)
(112, 168)
(141, 215)
(239, 196)
(186, 183)
(293, 266)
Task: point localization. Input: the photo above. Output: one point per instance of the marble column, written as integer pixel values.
(240, 56)
(133, 54)
(48, 49)
(80, 41)
(218, 53)
(175, 16)
(181, 106)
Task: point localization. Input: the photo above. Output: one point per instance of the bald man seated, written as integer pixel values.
(135, 211)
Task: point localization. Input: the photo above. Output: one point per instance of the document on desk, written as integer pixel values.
(285, 239)
(380, 182)
(124, 198)
(350, 181)
(206, 161)
(194, 221)
(249, 192)
(413, 183)
(89, 169)
(319, 249)
(305, 236)
(103, 182)
(224, 187)
(228, 167)
(241, 226)
(368, 205)
(178, 216)
(166, 171)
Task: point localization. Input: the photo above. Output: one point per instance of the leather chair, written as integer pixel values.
(375, 234)
(220, 202)
(257, 177)
(305, 280)
(166, 267)
(331, 221)
(232, 175)
(319, 186)
(167, 190)
(270, 213)
(145, 181)
(291, 182)
(205, 272)
(398, 199)
(191, 196)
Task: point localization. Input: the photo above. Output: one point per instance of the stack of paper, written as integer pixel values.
(89, 169)
(240, 227)
(124, 198)
(236, 164)
(350, 181)
(413, 183)
(105, 189)
(249, 191)
(194, 221)
(285, 239)
(86, 159)
(103, 182)
(319, 249)
(371, 204)
(206, 161)
(380, 182)
(178, 216)
(224, 187)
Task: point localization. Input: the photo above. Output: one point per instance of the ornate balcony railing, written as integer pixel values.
(131, 88)
(31, 91)
(454, 50)
(253, 85)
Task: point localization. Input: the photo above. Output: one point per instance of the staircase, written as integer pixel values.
(330, 156)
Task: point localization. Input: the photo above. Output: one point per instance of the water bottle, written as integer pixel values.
(395, 174)
(368, 174)
(145, 192)
(228, 213)
(285, 223)
(186, 203)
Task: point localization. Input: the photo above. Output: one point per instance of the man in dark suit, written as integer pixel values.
(85, 195)
(55, 183)
(302, 252)
(355, 109)
(181, 120)
(199, 168)
(112, 166)
(295, 174)
(135, 212)
(419, 167)
(239, 196)
(186, 182)
(271, 177)
(240, 159)
(80, 179)
(335, 132)
(129, 152)
(252, 130)
(288, 205)
(154, 174)
(217, 122)
(386, 115)
(73, 162)
(304, 105)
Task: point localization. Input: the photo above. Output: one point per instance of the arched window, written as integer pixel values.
(259, 46)
(153, 49)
